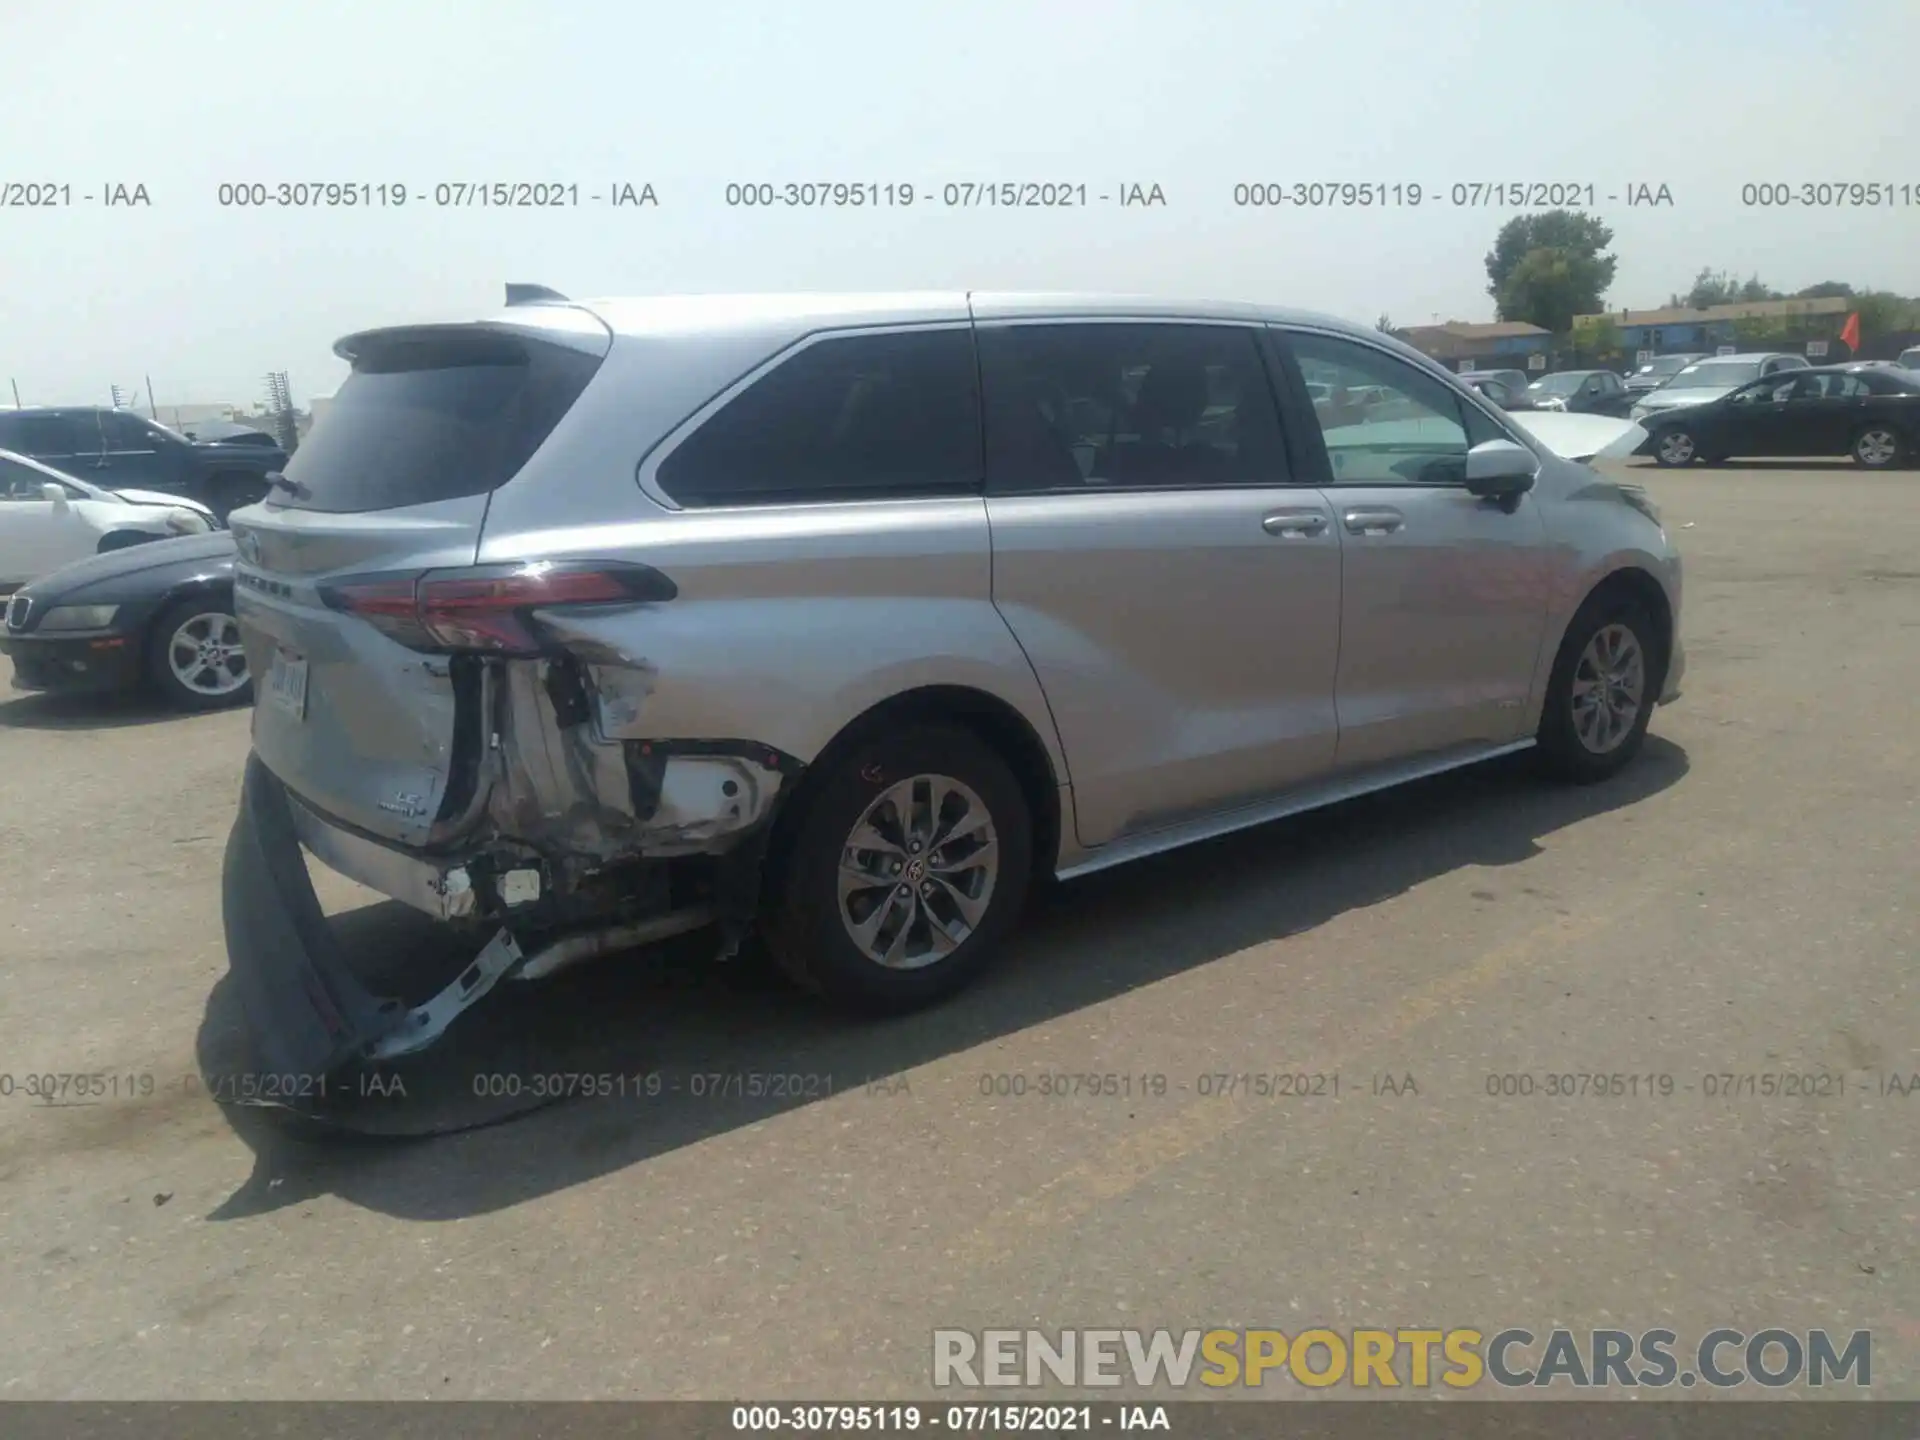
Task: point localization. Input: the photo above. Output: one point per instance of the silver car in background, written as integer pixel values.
(1658, 371)
(1711, 378)
(845, 618)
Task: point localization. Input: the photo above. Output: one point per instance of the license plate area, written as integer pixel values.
(287, 684)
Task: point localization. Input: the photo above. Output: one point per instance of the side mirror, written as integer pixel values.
(1501, 470)
(57, 494)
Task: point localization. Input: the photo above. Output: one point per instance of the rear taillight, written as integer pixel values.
(490, 607)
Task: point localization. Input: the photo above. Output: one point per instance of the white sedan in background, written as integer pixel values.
(49, 518)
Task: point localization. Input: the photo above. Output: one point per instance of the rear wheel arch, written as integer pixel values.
(990, 719)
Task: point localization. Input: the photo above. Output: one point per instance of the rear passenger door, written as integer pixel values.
(1443, 595)
(1176, 590)
(1823, 413)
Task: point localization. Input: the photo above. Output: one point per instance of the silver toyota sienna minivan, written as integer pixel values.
(842, 619)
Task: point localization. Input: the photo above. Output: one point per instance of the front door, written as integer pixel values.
(36, 534)
(133, 454)
(1759, 419)
(1175, 590)
(1443, 600)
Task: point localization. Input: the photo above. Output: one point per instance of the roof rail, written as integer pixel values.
(534, 295)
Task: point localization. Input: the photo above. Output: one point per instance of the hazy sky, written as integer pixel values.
(1193, 95)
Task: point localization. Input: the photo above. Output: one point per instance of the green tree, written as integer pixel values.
(1882, 312)
(1826, 290)
(1384, 325)
(1599, 341)
(1582, 236)
(1759, 331)
(1718, 287)
(1551, 286)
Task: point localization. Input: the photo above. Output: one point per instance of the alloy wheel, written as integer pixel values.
(1676, 447)
(1877, 447)
(206, 656)
(1609, 687)
(917, 872)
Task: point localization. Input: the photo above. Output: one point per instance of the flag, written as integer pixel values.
(1850, 333)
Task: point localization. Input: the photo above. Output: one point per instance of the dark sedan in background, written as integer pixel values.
(158, 615)
(1871, 414)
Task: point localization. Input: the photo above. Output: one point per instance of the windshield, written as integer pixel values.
(1665, 365)
(1714, 374)
(1564, 384)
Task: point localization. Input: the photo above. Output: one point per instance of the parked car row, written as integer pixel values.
(118, 448)
(112, 589)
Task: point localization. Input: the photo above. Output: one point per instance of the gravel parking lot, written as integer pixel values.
(1739, 903)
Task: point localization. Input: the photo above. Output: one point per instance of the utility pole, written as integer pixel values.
(152, 409)
(16, 393)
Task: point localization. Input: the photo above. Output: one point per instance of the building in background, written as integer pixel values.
(1465, 345)
(1756, 325)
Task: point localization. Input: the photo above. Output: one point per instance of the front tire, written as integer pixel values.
(1603, 689)
(1675, 447)
(908, 868)
(194, 656)
(1877, 447)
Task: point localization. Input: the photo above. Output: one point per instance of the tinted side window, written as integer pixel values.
(1072, 407)
(127, 432)
(39, 435)
(1385, 422)
(856, 418)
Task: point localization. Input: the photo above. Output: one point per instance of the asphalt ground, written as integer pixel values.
(1739, 905)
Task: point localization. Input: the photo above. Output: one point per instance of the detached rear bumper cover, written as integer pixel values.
(308, 1013)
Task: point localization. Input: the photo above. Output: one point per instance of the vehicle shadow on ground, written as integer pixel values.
(115, 711)
(673, 1013)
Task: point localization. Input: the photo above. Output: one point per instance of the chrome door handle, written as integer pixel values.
(1381, 521)
(1294, 524)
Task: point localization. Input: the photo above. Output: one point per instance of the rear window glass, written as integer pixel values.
(434, 418)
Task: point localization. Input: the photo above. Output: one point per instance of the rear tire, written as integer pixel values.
(948, 854)
(193, 656)
(1605, 683)
(1675, 447)
(1877, 447)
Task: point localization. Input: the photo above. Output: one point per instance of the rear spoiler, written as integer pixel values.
(534, 295)
(1580, 437)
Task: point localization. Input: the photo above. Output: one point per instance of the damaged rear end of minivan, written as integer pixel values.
(459, 735)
